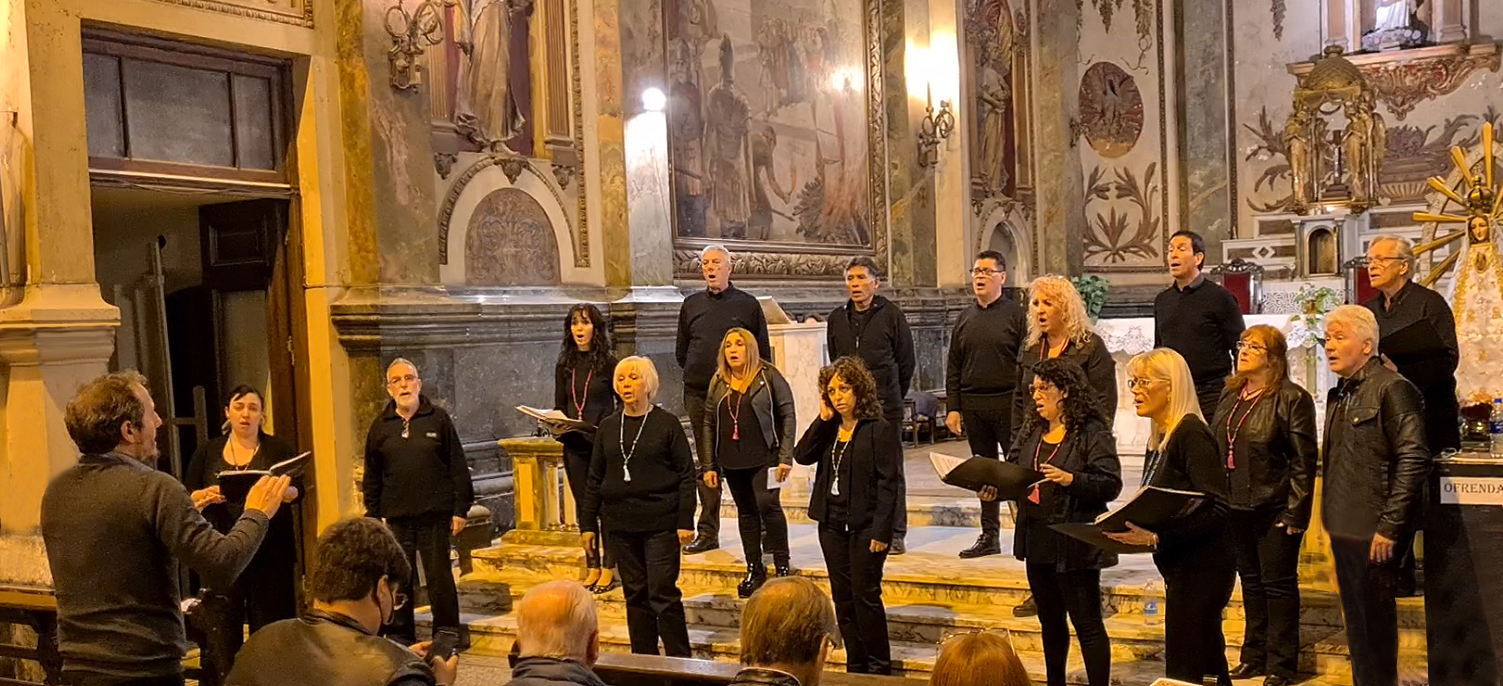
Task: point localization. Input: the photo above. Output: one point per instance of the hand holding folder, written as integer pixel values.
(975, 473)
(235, 485)
(1151, 508)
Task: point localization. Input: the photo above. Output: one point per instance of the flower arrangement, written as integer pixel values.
(1092, 290)
(1315, 302)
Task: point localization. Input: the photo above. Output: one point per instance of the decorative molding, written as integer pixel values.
(1405, 78)
(443, 162)
(576, 88)
(512, 167)
(782, 265)
(451, 199)
(299, 12)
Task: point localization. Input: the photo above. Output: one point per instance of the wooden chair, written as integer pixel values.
(1245, 281)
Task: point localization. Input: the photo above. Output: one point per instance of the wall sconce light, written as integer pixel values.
(654, 100)
(935, 127)
(411, 34)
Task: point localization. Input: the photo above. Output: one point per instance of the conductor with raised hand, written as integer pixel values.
(115, 529)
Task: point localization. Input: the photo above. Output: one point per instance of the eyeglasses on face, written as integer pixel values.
(1251, 347)
(985, 272)
(399, 380)
(1142, 382)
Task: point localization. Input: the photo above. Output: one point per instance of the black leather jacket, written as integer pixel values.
(1276, 456)
(1376, 460)
(757, 676)
(326, 649)
(771, 398)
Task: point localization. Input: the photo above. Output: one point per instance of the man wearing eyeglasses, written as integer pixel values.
(981, 374)
(1198, 319)
(417, 479)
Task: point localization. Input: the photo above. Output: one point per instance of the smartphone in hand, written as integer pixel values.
(445, 645)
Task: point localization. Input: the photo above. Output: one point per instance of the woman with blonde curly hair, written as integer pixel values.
(854, 501)
(1058, 328)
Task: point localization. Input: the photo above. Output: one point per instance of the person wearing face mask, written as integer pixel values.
(1198, 319)
(640, 494)
(702, 322)
(418, 481)
(875, 329)
(855, 487)
(1265, 428)
(751, 428)
(115, 529)
(1191, 553)
(266, 591)
(1058, 328)
(356, 586)
(1374, 463)
(583, 389)
(981, 375)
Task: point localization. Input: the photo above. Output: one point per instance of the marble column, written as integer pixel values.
(1059, 232)
(1449, 21)
(1204, 119)
(905, 40)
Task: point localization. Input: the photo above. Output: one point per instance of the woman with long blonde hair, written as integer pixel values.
(1265, 429)
(1059, 328)
(1191, 552)
(749, 428)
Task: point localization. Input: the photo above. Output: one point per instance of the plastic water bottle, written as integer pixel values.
(1495, 428)
(1151, 614)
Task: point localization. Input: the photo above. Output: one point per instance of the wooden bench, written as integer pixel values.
(653, 670)
(36, 608)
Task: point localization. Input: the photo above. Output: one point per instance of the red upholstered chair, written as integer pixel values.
(1359, 287)
(1245, 281)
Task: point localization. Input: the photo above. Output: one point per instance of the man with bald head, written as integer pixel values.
(787, 631)
(558, 636)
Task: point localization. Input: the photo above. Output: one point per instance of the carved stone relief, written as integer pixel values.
(510, 242)
(1111, 109)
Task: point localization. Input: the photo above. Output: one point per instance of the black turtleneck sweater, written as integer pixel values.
(982, 368)
(702, 323)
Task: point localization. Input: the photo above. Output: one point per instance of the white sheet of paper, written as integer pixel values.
(772, 478)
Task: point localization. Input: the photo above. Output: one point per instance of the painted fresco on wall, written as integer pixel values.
(768, 122)
(995, 41)
(1123, 124)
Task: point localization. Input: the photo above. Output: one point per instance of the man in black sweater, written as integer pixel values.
(702, 323)
(417, 479)
(115, 530)
(980, 377)
(874, 329)
(1198, 319)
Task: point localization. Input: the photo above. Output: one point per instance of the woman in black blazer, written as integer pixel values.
(1066, 438)
(854, 498)
(750, 423)
(267, 590)
(1059, 328)
(1192, 555)
(582, 389)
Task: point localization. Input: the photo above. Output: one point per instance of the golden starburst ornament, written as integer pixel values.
(1470, 194)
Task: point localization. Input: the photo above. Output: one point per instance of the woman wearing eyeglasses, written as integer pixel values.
(1265, 430)
(1192, 555)
(855, 492)
(1059, 328)
(640, 491)
(1066, 438)
(583, 389)
(751, 428)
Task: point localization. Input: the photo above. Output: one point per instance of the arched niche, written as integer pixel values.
(509, 241)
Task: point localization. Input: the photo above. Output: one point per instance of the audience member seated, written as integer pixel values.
(558, 639)
(787, 631)
(979, 659)
(358, 570)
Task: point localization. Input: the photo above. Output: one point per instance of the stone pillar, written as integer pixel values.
(1205, 121)
(1449, 21)
(910, 187)
(954, 242)
(1059, 231)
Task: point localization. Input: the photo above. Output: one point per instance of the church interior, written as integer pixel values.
(293, 193)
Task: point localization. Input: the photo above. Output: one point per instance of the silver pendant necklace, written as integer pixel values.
(626, 454)
(837, 454)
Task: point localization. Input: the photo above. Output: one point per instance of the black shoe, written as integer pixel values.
(1027, 608)
(986, 544)
(897, 547)
(782, 568)
(701, 544)
(1247, 671)
(756, 575)
(1277, 680)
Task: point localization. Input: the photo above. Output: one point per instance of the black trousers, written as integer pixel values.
(900, 517)
(1077, 594)
(856, 587)
(648, 563)
(577, 469)
(426, 539)
(1370, 612)
(1196, 591)
(709, 498)
(989, 432)
(757, 510)
(1268, 562)
(1209, 395)
(264, 593)
(89, 679)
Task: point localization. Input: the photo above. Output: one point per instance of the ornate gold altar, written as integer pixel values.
(1334, 164)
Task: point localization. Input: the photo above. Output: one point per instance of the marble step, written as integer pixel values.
(922, 511)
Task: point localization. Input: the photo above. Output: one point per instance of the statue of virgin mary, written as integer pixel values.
(1477, 302)
(1393, 14)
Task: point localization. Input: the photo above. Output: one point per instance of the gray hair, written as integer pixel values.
(715, 247)
(1406, 247)
(401, 361)
(557, 619)
(1358, 319)
(786, 622)
(644, 367)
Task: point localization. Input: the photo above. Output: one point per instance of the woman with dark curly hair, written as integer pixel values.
(582, 390)
(855, 494)
(1066, 437)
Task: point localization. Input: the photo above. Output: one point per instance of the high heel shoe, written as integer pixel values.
(607, 587)
(756, 575)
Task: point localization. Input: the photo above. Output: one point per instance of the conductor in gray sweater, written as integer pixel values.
(115, 528)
